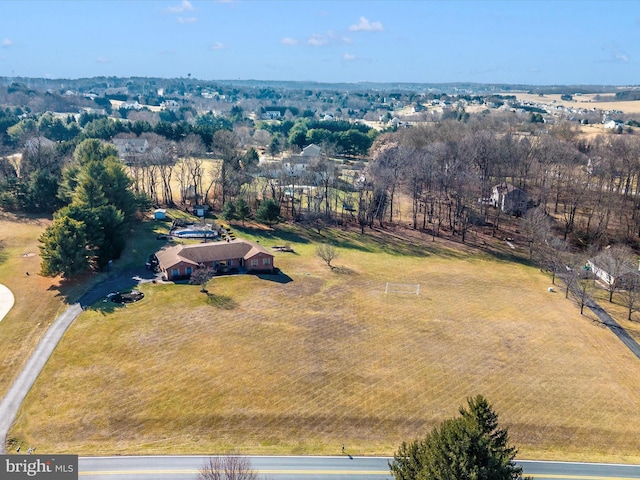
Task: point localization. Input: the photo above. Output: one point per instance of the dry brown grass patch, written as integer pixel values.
(326, 359)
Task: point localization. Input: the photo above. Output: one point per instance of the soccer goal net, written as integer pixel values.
(402, 288)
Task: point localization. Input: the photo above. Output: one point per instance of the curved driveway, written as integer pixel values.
(10, 404)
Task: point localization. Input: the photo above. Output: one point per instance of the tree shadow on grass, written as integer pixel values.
(342, 270)
(280, 235)
(278, 277)
(222, 302)
(105, 307)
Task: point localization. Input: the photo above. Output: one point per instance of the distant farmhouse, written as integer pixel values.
(180, 261)
(510, 199)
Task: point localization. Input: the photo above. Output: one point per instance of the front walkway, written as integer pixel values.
(6, 301)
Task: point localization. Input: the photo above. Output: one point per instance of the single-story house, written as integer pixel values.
(180, 261)
(609, 272)
(509, 199)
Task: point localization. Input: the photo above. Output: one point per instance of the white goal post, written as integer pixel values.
(402, 288)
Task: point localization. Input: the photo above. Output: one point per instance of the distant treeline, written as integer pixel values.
(628, 95)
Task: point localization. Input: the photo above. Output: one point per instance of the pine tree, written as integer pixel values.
(242, 209)
(63, 248)
(469, 447)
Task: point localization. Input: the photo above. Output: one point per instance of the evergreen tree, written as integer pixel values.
(469, 447)
(63, 248)
(268, 212)
(242, 209)
(229, 211)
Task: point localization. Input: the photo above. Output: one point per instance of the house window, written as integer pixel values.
(254, 262)
(175, 272)
(188, 270)
(266, 261)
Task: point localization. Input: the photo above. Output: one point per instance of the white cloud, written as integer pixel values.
(185, 20)
(620, 57)
(7, 42)
(365, 25)
(317, 41)
(218, 46)
(289, 41)
(103, 60)
(185, 6)
(614, 54)
(348, 57)
(346, 40)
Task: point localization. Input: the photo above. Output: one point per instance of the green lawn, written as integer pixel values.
(321, 357)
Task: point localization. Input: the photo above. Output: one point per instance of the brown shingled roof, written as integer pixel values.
(209, 252)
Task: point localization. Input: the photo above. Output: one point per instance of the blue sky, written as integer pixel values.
(532, 42)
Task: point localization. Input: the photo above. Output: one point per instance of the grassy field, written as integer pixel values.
(37, 299)
(319, 357)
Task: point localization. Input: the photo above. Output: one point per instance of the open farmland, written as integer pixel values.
(584, 101)
(323, 357)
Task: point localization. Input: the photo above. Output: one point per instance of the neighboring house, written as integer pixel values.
(169, 105)
(180, 261)
(131, 105)
(271, 114)
(613, 124)
(36, 143)
(509, 199)
(130, 148)
(296, 165)
(311, 151)
(605, 269)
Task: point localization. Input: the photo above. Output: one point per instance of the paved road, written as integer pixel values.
(308, 468)
(10, 404)
(273, 468)
(579, 471)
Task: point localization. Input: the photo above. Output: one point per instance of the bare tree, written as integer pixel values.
(631, 293)
(327, 252)
(227, 467)
(583, 289)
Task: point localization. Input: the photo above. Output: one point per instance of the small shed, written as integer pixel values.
(200, 210)
(160, 214)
